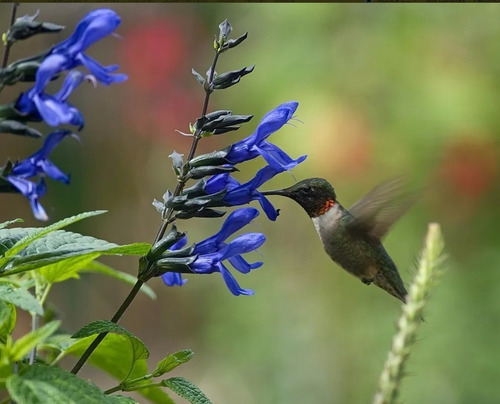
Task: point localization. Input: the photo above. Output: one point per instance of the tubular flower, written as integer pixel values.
(240, 194)
(67, 55)
(212, 251)
(38, 164)
(256, 144)
(33, 192)
(53, 109)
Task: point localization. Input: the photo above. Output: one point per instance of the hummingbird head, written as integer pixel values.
(315, 195)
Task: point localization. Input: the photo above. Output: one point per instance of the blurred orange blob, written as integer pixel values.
(470, 167)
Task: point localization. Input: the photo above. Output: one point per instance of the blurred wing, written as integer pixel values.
(380, 208)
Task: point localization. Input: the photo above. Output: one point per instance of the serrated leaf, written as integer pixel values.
(20, 297)
(172, 361)
(7, 319)
(96, 327)
(27, 342)
(57, 246)
(48, 384)
(42, 231)
(101, 268)
(114, 356)
(9, 222)
(185, 389)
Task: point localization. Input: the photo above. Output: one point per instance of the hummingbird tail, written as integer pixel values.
(396, 288)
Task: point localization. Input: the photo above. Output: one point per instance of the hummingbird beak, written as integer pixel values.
(282, 192)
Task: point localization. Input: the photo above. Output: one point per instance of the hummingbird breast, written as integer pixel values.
(361, 256)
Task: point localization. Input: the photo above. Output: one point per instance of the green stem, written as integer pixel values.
(159, 235)
(9, 44)
(100, 337)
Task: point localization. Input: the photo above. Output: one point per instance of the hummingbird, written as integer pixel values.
(353, 237)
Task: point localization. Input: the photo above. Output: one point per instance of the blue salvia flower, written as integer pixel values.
(68, 55)
(33, 192)
(256, 144)
(175, 278)
(53, 109)
(240, 194)
(38, 164)
(212, 251)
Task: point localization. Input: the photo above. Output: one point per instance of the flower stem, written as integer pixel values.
(8, 45)
(101, 336)
(159, 235)
(192, 151)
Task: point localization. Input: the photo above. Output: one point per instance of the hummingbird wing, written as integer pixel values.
(380, 208)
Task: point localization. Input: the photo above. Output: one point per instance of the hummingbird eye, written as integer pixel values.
(307, 190)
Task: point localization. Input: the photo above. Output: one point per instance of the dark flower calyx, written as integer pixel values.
(26, 26)
(209, 159)
(201, 172)
(164, 244)
(228, 79)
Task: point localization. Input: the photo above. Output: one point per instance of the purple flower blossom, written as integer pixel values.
(67, 55)
(38, 164)
(240, 194)
(33, 192)
(53, 109)
(212, 251)
(256, 144)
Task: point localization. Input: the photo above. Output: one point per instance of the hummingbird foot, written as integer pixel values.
(367, 281)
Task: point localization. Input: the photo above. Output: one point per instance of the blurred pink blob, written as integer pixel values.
(156, 56)
(470, 167)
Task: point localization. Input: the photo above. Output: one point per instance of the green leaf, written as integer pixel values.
(138, 348)
(42, 231)
(114, 356)
(186, 389)
(41, 384)
(121, 400)
(9, 222)
(20, 297)
(98, 267)
(172, 361)
(60, 246)
(7, 319)
(27, 342)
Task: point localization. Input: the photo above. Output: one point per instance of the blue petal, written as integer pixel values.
(54, 172)
(205, 263)
(179, 244)
(72, 81)
(236, 221)
(262, 176)
(267, 207)
(242, 151)
(173, 279)
(243, 244)
(52, 65)
(100, 72)
(94, 26)
(56, 113)
(277, 158)
(32, 192)
(218, 182)
(232, 284)
(274, 120)
(241, 265)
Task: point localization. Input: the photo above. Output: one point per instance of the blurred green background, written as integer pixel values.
(383, 90)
